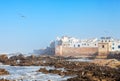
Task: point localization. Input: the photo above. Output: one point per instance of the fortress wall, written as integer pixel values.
(70, 51)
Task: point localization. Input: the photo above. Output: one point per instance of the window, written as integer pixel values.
(78, 45)
(113, 44)
(119, 46)
(102, 40)
(113, 48)
(74, 45)
(103, 46)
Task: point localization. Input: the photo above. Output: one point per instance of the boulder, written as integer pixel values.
(3, 58)
(43, 70)
(4, 79)
(3, 72)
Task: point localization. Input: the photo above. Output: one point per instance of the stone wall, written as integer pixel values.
(70, 51)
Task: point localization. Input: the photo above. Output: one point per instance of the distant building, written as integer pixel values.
(108, 45)
(74, 42)
(115, 46)
(104, 45)
(70, 46)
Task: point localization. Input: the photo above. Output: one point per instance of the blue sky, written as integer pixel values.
(31, 24)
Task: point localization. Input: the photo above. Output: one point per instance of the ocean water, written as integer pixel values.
(28, 73)
(79, 60)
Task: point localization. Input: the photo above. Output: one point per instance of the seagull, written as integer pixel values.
(21, 15)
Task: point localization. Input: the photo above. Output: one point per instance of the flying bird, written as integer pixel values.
(21, 15)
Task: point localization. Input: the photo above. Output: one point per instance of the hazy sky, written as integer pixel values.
(31, 24)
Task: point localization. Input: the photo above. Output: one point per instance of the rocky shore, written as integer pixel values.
(95, 70)
(4, 80)
(84, 71)
(3, 72)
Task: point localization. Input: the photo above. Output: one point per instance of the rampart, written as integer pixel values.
(72, 51)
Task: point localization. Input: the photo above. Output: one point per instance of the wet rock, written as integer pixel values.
(59, 72)
(43, 70)
(3, 58)
(96, 73)
(3, 72)
(114, 56)
(99, 70)
(4, 80)
(113, 63)
(53, 71)
(19, 57)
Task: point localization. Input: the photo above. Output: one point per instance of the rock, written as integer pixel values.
(4, 80)
(114, 56)
(97, 70)
(43, 70)
(3, 72)
(19, 57)
(113, 63)
(3, 58)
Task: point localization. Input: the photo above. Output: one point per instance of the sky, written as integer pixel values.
(26, 25)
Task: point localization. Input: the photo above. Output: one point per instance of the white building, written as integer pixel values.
(66, 41)
(114, 44)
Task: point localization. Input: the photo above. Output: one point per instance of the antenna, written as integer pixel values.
(108, 33)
